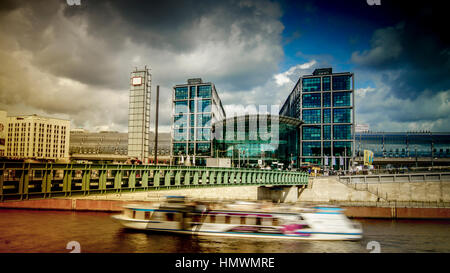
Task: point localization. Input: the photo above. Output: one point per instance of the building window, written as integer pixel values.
(192, 92)
(192, 106)
(342, 132)
(204, 106)
(203, 134)
(311, 116)
(179, 148)
(341, 99)
(326, 115)
(204, 91)
(326, 83)
(342, 82)
(327, 132)
(181, 93)
(180, 121)
(311, 84)
(342, 115)
(341, 148)
(327, 99)
(203, 149)
(180, 134)
(311, 149)
(311, 132)
(327, 148)
(181, 106)
(311, 100)
(204, 120)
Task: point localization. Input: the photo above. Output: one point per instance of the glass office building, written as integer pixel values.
(324, 101)
(259, 139)
(139, 114)
(196, 106)
(404, 144)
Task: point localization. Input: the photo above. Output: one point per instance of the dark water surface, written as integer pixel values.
(35, 231)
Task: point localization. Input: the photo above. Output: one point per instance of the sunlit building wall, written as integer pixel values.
(139, 114)
(36, 137)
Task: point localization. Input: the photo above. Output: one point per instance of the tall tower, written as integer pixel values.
(139, 114)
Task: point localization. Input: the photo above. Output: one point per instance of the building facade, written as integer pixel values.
(195, 107)
(3, 129)
(404, 144)
(111, 143)
(36, 137)
(324, 101)
(259, 139)
(139, 114)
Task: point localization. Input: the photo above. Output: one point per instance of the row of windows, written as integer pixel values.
(340, 148)
(202, 120)
(203, 91)
(197, 148)
(340, 115)
(314, 100)
(342, 82)
(203, 134)
(314, 132)
(202, 106)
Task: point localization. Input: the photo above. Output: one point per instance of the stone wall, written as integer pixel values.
(326, 189)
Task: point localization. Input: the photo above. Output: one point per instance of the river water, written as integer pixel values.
(32, 231)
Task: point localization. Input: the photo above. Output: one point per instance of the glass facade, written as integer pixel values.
(311, 100)
(324, 101)
(311, 132)
(311, 116)
(342, 115)
(327, 99)
(139, 114)
(404, 145)
(311, 84)
(342, 99)
(252, 139)
(193, 116)
(342, 82)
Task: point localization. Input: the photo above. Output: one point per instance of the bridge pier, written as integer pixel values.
(279, 194)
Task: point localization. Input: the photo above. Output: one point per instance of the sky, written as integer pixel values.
(74, 61)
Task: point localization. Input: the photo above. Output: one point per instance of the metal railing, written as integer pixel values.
(19, 181)
(396, 178)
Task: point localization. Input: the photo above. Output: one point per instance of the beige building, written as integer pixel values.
(37, 137)
(3, 128)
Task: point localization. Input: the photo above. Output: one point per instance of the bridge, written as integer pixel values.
(23, 181)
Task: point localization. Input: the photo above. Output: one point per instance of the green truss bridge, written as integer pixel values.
(22, 181)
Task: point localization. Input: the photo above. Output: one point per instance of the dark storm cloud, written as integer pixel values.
(75, 61)
(413, 55)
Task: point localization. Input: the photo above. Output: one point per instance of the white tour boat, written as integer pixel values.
(242, 219)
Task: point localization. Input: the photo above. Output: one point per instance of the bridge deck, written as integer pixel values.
(20, 181)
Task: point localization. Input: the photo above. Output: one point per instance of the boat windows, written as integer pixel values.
(170, 216)
(227, 219)
(134, 214)
(147, 215)
(196, 218)
(242, 220)
(258, 221)
(275, 222)
(212, 218)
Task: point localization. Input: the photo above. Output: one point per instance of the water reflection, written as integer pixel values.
(50, 231)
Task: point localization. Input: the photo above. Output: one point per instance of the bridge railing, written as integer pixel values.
(20, 181)
(396, 178)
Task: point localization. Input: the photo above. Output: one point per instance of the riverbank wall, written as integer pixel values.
(406, 200)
